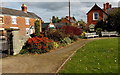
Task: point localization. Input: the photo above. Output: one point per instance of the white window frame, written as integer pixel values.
(14, 19)
(27, 20)
(2, 17)
(94, 16)
(14, 27)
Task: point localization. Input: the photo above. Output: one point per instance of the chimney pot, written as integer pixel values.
(110, 6)
(104, 7)
(24, 8)
(107, 6)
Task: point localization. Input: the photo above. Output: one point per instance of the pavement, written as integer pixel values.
(40, 63)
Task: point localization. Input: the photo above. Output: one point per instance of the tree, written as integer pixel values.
(55, 19)
(101, 24)
(81, 24)
(37, 27)
(71, 30)
(114, 20)
(112, 23)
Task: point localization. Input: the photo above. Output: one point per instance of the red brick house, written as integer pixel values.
(96, 14)
(66, 20)
(18, 19)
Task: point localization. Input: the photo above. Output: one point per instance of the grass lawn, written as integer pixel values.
(99, 56)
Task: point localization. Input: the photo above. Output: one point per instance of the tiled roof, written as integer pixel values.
(66, 20)
(8, 11)
(96, 7)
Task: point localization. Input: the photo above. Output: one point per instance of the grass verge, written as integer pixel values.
(99, 56)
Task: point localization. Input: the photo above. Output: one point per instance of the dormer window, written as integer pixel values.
(14, 21)
(27, 21)
(95, 16)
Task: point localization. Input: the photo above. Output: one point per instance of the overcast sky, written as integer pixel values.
(60, 9)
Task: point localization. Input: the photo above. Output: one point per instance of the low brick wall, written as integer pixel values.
(18, 41)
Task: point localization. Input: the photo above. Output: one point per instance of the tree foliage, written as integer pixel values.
(37, 27)
(55, 19)
(114, 20)
(112, 23)
(81, 24)
(71, 30)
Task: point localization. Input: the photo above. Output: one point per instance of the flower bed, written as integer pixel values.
(51, 39)
(37, 45)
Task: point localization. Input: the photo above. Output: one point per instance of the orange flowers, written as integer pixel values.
(38, 42)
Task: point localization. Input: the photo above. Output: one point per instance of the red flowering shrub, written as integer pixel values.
(37, 45)
(71, 30)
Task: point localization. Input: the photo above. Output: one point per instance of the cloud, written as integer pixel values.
(60, 0)
(48, 9)
(48, 5)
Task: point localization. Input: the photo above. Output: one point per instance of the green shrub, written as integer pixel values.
(67, 40)
(23, 51)
(37, 27)
(62, 45)
(98, 31)
(50, 45)
(55, 35)
(74, 38)
(82, 35)
(56, 45)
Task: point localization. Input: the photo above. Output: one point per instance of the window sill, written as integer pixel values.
(14, 23)
(95, 19)
(27, 24)
(1, 23)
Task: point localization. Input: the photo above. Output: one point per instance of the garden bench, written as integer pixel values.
(91, 35)
(114, 33)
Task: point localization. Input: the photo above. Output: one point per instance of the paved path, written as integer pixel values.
(43, 63)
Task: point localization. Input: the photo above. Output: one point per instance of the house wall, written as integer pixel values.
(90, 17)
(21, 23)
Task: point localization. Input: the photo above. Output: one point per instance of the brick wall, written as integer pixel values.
(21, 23)
(90, 17)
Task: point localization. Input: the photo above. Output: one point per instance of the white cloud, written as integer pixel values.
(60, 0)
(48, 9)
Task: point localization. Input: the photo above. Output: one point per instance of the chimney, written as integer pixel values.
(104, 7)
(107, 6)
(24, 8)
(110, 6)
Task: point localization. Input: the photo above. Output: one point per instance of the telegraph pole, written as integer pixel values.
(69, 11)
